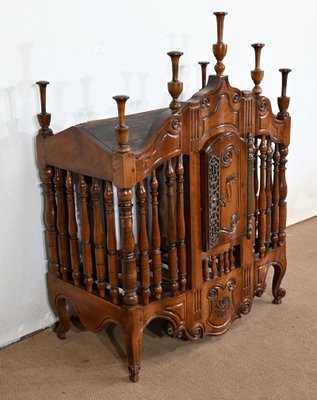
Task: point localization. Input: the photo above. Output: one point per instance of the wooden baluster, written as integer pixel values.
(143, 243)
(214, 267)
(203, 65)
(171, 228)
(262, 199)
(256, 186)
(275, 197)
(98, 239)
(175, 87)
(269, 154)
(50, 220)
(283, 194)
(221, 265)
(206, 274)
(227, 264)
(250, 190)
(72, 229)
(61, 224)
(257, 74)
(156, 240)
(181, 247)
(129, 273)
(47, 173)
(44, 117)
(231, 259)
(111, 243)
(85, 234)
(220, 49)
(283, 100)
(122, 130)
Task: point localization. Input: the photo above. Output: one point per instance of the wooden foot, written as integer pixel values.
(278, 292)
(133, 331)
(134, 372)
(63, 325)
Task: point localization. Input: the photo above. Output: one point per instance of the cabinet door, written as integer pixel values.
(224, 190)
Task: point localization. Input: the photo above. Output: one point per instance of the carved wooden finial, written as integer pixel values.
(283, 100)
(257, 74)
(220, 49)
(122, 131)
(175, 87)
(203, 65)
(43, 117)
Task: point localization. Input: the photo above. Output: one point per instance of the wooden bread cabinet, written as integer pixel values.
(177, 216)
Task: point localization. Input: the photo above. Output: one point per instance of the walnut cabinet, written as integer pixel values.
(175, 213)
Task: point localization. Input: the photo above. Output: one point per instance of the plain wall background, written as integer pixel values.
(90, 51)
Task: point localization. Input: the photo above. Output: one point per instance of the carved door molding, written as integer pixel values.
(224, 189)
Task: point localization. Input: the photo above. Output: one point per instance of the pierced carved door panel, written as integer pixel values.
(224, 190)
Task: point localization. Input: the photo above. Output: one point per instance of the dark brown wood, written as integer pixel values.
(111, 242)
(129, 274)
(210, 212)
(181, 247)
(220, 49)
(122, 131)
(275, 197)
(85, 234)
(262, 199)
(72, 229)
(50, 220)
(156, 240)
(203, 65)
(171, 228)
(143, 243)
(98, 238)
(175, 87)
(257, 74)
(269, 155)
(283, 194)
(283, 100)
(61, 224)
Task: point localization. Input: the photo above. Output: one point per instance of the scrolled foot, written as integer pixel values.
(246, 306)
(134, 372)
(280, 294)
(60, 331)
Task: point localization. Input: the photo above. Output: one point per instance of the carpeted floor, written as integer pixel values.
(269, 354)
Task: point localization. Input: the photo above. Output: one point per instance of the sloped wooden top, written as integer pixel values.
(141, 127)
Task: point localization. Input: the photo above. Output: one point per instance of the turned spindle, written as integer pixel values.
(220, 48)
(257, 74)
(175, 87)
(43, 117)
(203, 65)
(283, 100)
(122, 131)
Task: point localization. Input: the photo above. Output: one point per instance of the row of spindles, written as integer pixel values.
(270, 193)
(89, 255)
(219, 265)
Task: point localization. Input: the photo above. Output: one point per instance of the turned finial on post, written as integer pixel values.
(175, 87)
(283, 100)
(203, 65)
(122, 131)
(220, 49)
(43, 117)
(257, 74)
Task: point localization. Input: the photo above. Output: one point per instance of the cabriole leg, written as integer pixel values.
(63, 325)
